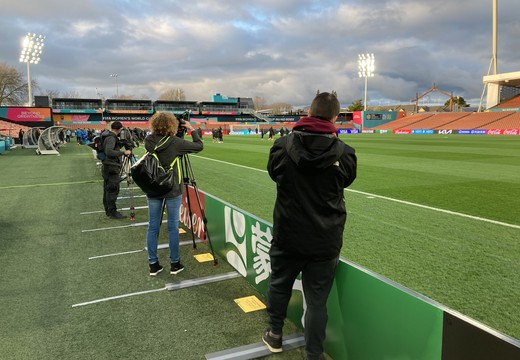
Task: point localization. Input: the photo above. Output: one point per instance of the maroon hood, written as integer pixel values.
(315, 125)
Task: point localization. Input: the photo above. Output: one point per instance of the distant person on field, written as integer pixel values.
(311, 167)
(271, 133)
(112, 168)
(78, 135)
(20, 136)
(164, 129)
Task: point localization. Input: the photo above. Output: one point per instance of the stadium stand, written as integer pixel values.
(479, 120)
(456, 121)
(404, 122)
(511, 121)
(11, 129)
(439, 120)
(511, 103)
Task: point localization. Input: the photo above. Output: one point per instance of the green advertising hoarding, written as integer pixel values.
(370, 317)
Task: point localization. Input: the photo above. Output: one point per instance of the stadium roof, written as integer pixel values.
(507, 79)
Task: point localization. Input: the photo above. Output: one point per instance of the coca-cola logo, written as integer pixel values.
(494, 132)
(511, 132)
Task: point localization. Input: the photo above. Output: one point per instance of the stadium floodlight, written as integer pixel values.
(366, 67)
(32, 49)
(117, 84)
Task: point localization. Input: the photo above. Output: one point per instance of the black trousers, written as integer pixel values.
(111, 180)
(317, 279)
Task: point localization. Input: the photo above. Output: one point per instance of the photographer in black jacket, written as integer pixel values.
(311, 168)
(167, 140)
(112, 168)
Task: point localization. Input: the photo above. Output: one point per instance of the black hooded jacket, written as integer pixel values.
(111, 148)
(311, 170)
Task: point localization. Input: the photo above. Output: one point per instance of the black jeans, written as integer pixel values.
(111, 182)
(317, 279)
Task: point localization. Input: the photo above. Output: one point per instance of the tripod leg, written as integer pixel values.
(190, 216)
(130, 182)
(205, 221)
(191, 179)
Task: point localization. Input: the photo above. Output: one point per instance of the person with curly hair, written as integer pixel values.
(164, 128)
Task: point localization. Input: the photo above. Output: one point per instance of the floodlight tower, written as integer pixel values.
(366, 67)
(32, 49)
(117, 84)
(494, 58)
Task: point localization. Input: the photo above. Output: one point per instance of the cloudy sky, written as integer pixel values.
(281, 50)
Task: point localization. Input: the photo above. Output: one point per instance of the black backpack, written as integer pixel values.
(97, 144)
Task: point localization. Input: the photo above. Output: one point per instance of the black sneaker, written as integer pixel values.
(176, 268)
(274, 344)
(155, 269)
(117, 215)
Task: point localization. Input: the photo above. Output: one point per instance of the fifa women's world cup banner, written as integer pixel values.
(370, 316)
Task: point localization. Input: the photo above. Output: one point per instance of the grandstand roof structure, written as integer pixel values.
(495, 82)
(511, 79)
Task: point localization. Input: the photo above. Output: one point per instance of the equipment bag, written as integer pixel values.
(97, 144)
(151, 177)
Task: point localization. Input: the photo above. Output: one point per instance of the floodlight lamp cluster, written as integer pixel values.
(366, 65)
(32, 48)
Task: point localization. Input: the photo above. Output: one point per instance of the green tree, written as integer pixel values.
(356, 106)
(457, 100)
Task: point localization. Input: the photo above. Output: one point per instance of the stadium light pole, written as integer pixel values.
(117, 84)
(366, 69)
(32, 48)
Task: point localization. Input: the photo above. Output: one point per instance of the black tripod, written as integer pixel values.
(189, 179)
(127, 162)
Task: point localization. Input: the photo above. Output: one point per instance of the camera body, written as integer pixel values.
(182, 123)
(127, 144)
(125, 139)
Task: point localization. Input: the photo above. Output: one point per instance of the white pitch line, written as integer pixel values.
(120, 227)
(159, 247)
(121, 209)
(176, 286)
(478, 218)
(128, 197)
(115, 254)
(119, 297)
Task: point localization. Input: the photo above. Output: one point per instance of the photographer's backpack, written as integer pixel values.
(97, 144)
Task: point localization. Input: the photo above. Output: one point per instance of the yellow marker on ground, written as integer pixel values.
(250, 303)
(203, 257)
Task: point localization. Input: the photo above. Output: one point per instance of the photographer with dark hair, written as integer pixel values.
(311, 167)
(167, 135)
(111, 169)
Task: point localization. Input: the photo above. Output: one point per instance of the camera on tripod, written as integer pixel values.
(125, 139)
(127, 144)
(182, 118)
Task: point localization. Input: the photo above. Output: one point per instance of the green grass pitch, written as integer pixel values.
(438, 214)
